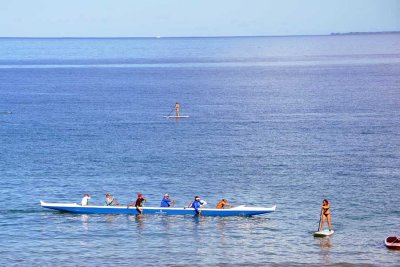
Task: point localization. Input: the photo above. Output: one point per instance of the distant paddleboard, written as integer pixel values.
(175, 117)
(323, 233)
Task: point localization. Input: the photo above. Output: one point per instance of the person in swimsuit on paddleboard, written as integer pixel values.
(325, 215)
(177, 106)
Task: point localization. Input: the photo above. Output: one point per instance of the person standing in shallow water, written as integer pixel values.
(177, 106)
(325, 215)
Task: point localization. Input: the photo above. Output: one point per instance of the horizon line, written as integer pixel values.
(216, 36)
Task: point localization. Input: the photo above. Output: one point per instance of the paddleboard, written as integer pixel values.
(175, 117)
(323, 233)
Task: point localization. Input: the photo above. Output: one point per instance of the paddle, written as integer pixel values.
(198, 211)
(319, 224)
(169, 114)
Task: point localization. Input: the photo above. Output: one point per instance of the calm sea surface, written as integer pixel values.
(284, 121)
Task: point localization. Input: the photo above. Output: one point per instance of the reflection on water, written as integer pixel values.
(199, 221)
(165, 223)
(221, 227)
(139, 223)
(325, 245)
(85, 221)
(111, 218)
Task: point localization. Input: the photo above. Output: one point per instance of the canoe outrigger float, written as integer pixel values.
(76, 208)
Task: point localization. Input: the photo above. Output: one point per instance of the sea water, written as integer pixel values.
(284, 121)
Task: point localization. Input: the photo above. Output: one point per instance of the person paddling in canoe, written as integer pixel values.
(223, 203)
(202, 203)
(196, 205)
(110, 200)
(85, 200)
(138, 204)
(325, 215)
(166, 201)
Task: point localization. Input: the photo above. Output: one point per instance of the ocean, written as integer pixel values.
(284, 121)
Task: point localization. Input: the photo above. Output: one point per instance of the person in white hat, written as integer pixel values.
(166, 201)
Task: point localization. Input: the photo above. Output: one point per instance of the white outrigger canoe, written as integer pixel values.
(76, 208)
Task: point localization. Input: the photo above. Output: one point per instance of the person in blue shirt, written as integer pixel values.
(202, 203)
(166, 201)
(196, 204)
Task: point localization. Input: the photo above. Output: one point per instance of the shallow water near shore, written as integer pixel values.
(284, 121)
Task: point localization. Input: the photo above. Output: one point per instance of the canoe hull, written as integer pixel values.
(75, 208)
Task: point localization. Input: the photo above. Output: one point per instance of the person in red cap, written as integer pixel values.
(139, 204)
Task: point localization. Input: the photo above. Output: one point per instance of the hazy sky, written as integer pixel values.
(140, 18)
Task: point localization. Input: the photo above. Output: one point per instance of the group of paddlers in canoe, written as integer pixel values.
(197, 204)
